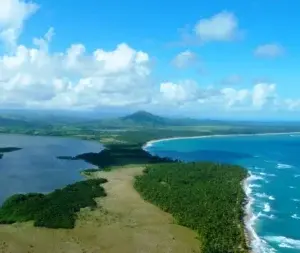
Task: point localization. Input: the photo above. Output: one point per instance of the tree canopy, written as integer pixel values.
(206, 197)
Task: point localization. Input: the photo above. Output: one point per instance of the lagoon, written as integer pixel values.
(36, 168)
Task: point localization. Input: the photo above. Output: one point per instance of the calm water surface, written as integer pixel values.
(35, 167)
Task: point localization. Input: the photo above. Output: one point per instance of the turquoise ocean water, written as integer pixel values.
(273, 187)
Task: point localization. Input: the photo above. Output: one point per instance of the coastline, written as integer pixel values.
(150, 143)
(249, 218)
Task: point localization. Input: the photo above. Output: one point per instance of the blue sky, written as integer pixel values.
(257, 46)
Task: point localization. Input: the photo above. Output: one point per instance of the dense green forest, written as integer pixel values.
(54, 210)
(206, 197)
(119, 155)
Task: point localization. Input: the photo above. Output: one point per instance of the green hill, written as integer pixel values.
(145, 118)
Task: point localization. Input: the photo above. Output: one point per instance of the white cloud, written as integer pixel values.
(181, 92)
(13, 13)
(263, 94)
(235, 97)
(34, 77)
(75, 78)
(185, 59)
(220, 27)
(269, 51)
(292, 104)
(259, 97)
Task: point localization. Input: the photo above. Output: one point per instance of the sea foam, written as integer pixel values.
(267, 175)
(267, 207)
(264, 196)
(257, 244)
(255, 186)
(283, 166)
(271, 216)
(284, 242)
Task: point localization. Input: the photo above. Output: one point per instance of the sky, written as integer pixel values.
(212, 59)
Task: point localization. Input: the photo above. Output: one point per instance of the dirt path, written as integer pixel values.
(124, 224)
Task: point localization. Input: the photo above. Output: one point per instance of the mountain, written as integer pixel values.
(145, 118)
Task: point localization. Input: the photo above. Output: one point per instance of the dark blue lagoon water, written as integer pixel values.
(273, 187)
(35, 167)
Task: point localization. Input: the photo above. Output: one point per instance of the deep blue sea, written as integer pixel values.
(273, 187)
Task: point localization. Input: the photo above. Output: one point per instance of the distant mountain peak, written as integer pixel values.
(140, 114)
(145, 117)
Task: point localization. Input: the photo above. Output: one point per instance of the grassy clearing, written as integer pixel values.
(121, 222)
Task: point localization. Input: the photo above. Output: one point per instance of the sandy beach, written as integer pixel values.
(150, 143)
(249, 217)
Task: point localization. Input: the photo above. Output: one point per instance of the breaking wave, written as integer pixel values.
(283, 166)
(264, 196)
(295, 216)
(284, 242)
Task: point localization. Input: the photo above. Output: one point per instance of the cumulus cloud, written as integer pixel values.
(235, 97)
(220, 27)
(269, 51)
(76, 78)
(259, 97)
(185, 59)
(33, 76)
(13, 13)
(185, 91)
(263, 94)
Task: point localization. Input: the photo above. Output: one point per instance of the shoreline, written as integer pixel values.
(251, 236)
(150, 143)
(249, 217)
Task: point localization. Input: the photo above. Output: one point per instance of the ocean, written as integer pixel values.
(273, 185)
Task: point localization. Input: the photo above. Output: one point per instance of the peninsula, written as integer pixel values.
(193, 206)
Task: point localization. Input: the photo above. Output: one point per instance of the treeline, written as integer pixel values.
(119, 155)
(206, 197)
(54, 210)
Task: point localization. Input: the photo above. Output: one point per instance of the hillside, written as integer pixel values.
(143, 119)
(134, 120)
